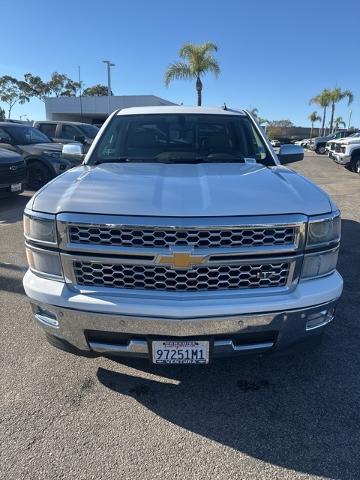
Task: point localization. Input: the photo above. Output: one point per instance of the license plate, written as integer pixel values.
(175, 351)
(16, 187)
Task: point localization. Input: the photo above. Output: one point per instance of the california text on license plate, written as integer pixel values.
(180, 351)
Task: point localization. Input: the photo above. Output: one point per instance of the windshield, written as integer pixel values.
(26, 135)
(89, 130)
(180, 138)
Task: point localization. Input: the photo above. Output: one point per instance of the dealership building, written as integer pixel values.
(95, 109)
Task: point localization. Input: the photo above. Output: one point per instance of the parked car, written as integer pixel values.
(318, 144)
(347, 151)
(303, 143)
(42, 156)
(331, 145)
(12, 173)
(68, 132)
(182, 238)
(275, 143)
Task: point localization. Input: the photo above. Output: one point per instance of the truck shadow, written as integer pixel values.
(12, 208)
(298, 411)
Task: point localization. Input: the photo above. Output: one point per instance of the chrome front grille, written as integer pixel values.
(154, 277)
(169, 237)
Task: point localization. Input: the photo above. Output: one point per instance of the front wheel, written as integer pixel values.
(320, 150)
(355, 165)
(38, 175)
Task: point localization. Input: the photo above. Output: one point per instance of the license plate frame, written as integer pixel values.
(183, 348)
(16, 187)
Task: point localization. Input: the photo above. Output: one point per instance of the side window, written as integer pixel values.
(48, 128)
(4, 136)
(69, 132)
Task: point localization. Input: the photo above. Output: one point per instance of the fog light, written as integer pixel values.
(319, 319)
(46, 317)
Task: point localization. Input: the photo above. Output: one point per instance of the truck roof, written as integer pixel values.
(178, 109)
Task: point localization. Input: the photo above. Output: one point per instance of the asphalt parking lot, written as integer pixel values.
(294, 416)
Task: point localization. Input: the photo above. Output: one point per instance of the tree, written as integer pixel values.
(323, 100)
(2, 114)
(96, 91)
(313, 117)
(254, 112)
(336, 96)
(339, 121)
(37, 86)
(62, 86)
(59, 85)
(281, 123)
(13, 91)
(198, 61)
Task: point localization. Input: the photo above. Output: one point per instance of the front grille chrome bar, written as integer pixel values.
(291, 241)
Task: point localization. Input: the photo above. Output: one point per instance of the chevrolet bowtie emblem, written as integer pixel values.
(180, 259)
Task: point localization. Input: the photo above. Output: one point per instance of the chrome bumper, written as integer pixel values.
(228, 335)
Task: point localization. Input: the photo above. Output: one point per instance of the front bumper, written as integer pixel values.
(342, 159)
(233, 325)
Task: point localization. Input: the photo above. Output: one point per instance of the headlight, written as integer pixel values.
(41, 243)
(52, 153)
(40, 228)
(324, 231)
(44, 262)
(319, 264)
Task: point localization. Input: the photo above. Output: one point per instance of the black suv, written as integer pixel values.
(12, 173)
(68, 132)
(42, 156)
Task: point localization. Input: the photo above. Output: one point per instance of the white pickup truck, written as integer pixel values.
(347, 151)
(182, 238)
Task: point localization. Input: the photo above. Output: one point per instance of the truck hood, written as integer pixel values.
(349, 140)
(38, 148)
(175, 190)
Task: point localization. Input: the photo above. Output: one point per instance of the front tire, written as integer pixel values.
(320, 150)
(355, 165)
(38, 175)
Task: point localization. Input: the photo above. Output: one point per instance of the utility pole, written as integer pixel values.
(350, 115)
(81, 109)
(109, 65)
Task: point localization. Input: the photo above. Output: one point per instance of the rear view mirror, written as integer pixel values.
(74, 152)
(80, 138)
(290, 153)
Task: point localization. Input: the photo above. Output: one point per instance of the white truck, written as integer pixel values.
(182, 238)
(347, 151)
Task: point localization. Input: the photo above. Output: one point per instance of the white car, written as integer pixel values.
(181, 238)
(302, 143)
(275, 143)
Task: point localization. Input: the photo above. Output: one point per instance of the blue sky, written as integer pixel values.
(273, 55)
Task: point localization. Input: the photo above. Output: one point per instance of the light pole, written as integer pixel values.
(109, 65)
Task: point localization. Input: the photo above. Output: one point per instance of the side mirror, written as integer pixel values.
(74, 152)
(290, 153)
(80, 138)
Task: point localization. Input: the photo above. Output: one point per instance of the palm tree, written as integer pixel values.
(198, 61)
(336, 96)
(254, 112)
(339, 121)
(323, 100)
(313, 117)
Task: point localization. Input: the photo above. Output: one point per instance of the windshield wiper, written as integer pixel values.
(116, 160)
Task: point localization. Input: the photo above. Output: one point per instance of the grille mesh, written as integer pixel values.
(131, 237)
(145, 277)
